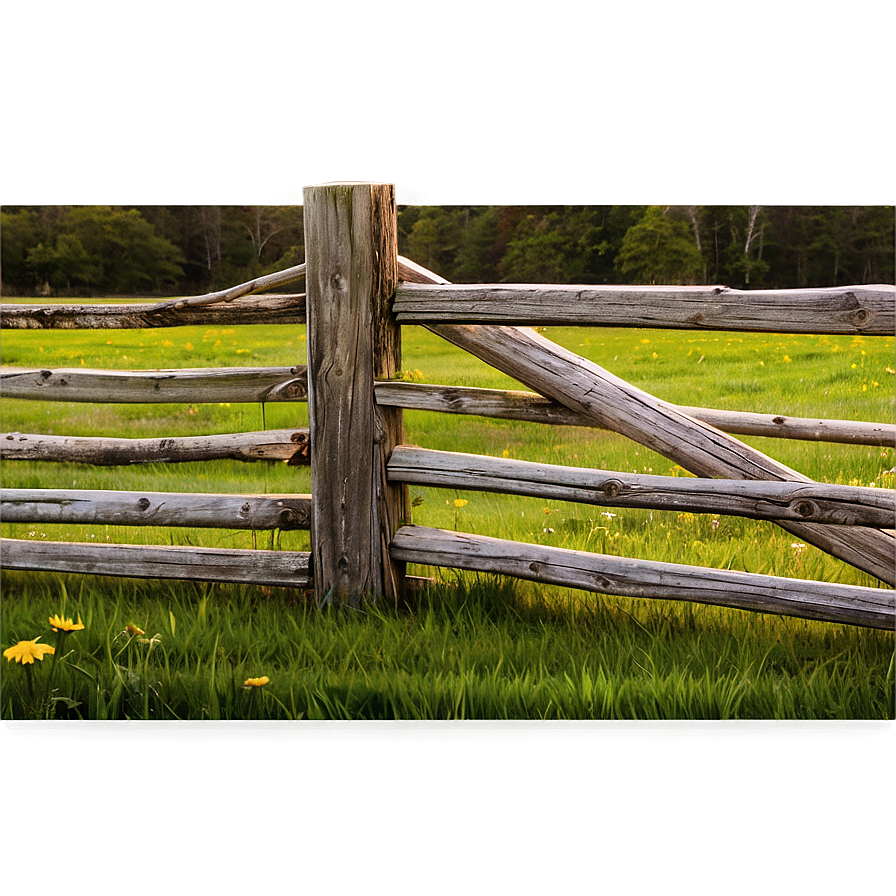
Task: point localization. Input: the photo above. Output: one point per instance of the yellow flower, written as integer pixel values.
(59, 623)
(28, 651)
(459, 502)
(133, 630)
(787, 359)
(256, 682)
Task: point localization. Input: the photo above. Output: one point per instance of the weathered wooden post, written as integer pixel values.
(351, 253)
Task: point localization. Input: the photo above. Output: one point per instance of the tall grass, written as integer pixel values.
(471, 646)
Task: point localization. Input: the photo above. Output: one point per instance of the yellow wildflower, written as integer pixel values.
(60, 623)
(459, 502)
(28, 651)
(132, 630)
(256, 682)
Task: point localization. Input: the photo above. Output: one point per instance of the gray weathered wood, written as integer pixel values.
(119, 508)
(352, 271)
(868, 310)
(826, 601)
(801, 501)
(289, 569)
(288, 445)
(250, 287)
(193, 385)
(264, 309)
(528, 406)
(614, 404)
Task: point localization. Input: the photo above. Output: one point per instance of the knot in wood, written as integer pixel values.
(246, 507)
(805, 508)
(611, 488)
(143, 503)
(862, 317)
(287, 517)
(46, 374)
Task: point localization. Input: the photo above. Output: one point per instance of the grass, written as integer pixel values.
(471, 646)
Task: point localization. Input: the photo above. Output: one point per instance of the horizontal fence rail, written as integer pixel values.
(287, 445)
(826, 601)
(866, 310)
(119, 508)
(803, 501)
(264, 309)
(170, 312)
(191, 385)
(250, 567)
(534, 408)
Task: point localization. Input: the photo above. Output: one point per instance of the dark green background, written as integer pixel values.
(468, 103)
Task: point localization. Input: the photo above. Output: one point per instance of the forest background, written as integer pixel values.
(179, 250)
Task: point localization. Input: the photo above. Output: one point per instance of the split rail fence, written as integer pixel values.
(358, 294)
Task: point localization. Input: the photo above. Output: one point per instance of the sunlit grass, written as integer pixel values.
(472, 647)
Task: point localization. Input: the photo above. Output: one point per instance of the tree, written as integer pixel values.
(660, 250)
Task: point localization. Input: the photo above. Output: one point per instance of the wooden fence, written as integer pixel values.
(358, 293)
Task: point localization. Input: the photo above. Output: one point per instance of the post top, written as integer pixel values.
(351, 183)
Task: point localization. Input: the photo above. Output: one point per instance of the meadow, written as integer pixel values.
(469, 646)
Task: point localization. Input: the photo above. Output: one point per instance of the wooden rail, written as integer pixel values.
(827, 601)
(288, 445)
(192, 385)
(868, 310)
(534, 408)
(264, 309)
(285, 568)
(801, 501)
(119, 508)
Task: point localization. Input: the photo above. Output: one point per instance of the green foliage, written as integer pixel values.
(557, 247)
(102, 250)
(659, 249)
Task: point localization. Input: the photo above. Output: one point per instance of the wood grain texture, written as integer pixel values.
(528, 406)
(121, 508)
(866, 310)
(290, 446)
(350, 252)
(264, 309)
(193, 385)
(800, 501)
(612, 403)
(289, 569)
(826, 601)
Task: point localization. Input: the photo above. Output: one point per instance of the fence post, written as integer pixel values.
(351, 253)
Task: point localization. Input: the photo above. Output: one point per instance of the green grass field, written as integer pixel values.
(471, 646)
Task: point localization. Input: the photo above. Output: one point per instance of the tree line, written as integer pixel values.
(181, 250)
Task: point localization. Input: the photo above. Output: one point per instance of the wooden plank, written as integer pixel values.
(825, 601)
(264, 309)
(120, 508)
(352, 271)
(866, 310)
(250, 287)
(528, 406)
(815, 502)
(614, 404)
(193, 385)
(287, 445)
(289, 569)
